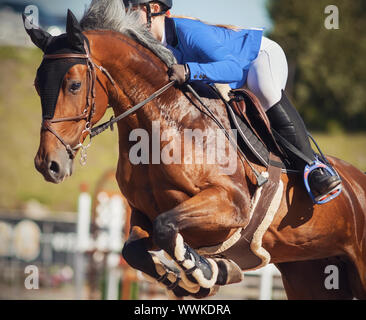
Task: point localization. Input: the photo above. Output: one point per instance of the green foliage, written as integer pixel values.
(327, 67)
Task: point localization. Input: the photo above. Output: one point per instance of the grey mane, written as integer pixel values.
(111, 15)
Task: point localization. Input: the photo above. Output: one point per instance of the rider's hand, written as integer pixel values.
(179, 73)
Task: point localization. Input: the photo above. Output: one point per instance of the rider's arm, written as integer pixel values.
(221, 66)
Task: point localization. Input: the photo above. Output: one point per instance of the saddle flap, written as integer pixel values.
(247, 106)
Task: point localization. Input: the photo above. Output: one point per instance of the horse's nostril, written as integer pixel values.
(54, 167)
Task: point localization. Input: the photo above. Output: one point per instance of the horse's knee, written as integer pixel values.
(165, 229)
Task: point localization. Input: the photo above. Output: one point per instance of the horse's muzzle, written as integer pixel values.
(55, 168)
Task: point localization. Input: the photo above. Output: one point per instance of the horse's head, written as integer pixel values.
(67, 84)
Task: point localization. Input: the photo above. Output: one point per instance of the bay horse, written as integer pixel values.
(179, 208)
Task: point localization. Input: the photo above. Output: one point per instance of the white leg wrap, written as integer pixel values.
(179, 250)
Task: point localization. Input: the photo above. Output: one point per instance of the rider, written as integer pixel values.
(238, 57)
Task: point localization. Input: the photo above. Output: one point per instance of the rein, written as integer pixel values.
(109, 124)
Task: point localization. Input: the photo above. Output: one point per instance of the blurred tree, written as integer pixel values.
(327, 77)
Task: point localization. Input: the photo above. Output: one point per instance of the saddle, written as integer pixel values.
(255, 133)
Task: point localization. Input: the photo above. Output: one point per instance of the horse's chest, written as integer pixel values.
(139, 192)
(151, 193)
(152, 201)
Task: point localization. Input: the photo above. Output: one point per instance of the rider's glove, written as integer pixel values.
(179, 73)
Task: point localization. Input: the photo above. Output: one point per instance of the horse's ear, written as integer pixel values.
(38, 36)
(74, 32)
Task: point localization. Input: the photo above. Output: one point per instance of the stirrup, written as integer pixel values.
(325, 197)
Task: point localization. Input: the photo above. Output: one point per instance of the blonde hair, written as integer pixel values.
(226, 26)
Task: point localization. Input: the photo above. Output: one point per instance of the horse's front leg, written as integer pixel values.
(137, 255)
(209, 212)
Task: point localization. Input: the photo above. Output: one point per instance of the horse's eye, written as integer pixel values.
(75, 86)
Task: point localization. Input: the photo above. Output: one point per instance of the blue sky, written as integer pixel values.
(242, 13)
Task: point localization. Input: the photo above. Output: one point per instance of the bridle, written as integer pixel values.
(89, 110)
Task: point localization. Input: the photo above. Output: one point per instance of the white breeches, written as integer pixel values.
(268, 74)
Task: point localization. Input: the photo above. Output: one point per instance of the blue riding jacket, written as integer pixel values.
(213, 54)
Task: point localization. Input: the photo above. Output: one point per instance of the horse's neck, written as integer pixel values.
(138, 74)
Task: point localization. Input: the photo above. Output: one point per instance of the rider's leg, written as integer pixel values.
(267, 79)
(287, 122)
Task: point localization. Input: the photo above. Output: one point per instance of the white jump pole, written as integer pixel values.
(83, 224)
(266, 283)
(82, 239)
(116, 222)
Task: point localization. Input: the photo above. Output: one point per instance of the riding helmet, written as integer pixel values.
(167, 3)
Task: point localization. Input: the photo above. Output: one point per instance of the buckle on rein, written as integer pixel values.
(329, 196)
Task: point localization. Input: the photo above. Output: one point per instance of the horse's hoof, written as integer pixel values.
(229, 273)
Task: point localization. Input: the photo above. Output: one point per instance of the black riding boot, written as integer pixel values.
(285, 119)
